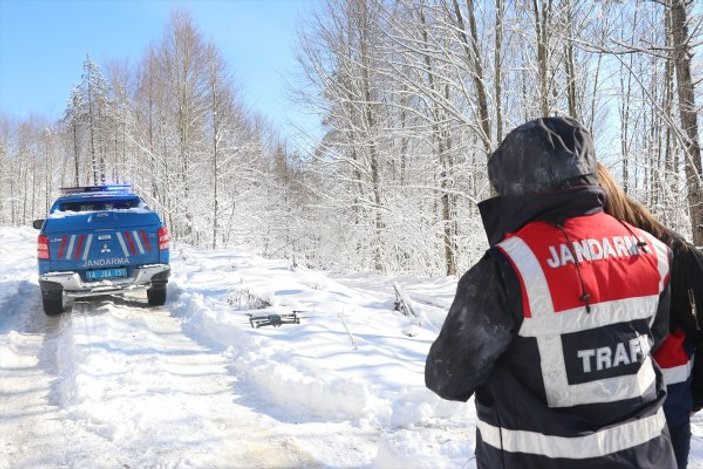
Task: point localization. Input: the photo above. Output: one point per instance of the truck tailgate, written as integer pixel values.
(103, 240)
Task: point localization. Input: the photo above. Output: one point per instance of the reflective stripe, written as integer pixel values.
(662, 253)
(87, 246)
(677, 374)
(662, 263)
(70, 247)
(130, 243)
(602, 314)
(62, 247)
(78, 247)
(600, 443)
(145, 239)
(124, 246)
(135, 235)
(540, 300)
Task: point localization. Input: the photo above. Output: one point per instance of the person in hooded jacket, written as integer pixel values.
(552, 330)
(683, 375)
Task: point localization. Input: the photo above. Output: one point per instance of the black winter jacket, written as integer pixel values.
(470, 354)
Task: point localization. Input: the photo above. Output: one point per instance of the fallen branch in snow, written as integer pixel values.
(402, 302)
(351, 336)
(404, 306)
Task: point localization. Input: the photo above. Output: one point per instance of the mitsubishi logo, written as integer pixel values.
(105, 249)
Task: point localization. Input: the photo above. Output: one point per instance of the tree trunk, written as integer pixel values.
(371, 135)
(687, 115)
(92, 133)
(542, 17)
(473, 56)
(215, 169)
(76, 153)
(497, 58)
(442, 144)
(571, 93)
(671, 167)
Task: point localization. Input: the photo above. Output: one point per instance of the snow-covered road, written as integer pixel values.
(116, 384)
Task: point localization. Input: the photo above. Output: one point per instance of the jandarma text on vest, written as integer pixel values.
(593, 250)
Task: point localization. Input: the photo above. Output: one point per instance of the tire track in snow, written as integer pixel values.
(33, 429)
(162, 399)
(113, 384)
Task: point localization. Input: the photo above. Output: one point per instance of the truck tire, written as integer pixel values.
(53, 304)
(156, 296)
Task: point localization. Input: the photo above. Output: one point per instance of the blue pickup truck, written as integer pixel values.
(101, 240)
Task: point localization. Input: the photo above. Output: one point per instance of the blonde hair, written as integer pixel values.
(625, 208)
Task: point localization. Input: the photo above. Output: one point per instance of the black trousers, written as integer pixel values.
(681, 441)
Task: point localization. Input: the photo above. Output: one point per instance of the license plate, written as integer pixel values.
(106, 273)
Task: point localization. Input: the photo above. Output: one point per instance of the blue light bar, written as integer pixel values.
(127, 188)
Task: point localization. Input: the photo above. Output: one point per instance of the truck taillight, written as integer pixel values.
(42, 247)
(163, 239)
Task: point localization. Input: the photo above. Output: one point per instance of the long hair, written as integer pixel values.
(621, 206)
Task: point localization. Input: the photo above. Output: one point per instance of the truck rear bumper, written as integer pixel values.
(72, 286)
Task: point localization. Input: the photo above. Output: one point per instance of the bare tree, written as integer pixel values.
(72, 118)
(688, 115)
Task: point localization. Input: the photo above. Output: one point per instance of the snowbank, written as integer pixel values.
(313, 370)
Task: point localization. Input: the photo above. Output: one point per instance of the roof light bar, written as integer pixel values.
(104, 188)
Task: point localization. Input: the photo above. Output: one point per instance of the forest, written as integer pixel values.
(412, 96)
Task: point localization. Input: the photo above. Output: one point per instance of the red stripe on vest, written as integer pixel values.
(613, 277)
(671, 352)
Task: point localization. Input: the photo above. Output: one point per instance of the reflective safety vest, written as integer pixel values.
(581, 361)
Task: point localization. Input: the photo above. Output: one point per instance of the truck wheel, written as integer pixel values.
(53, 305)
(156, 296)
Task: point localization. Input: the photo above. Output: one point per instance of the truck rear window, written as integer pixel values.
(98, 205)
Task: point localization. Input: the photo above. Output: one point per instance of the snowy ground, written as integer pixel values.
(115, 384)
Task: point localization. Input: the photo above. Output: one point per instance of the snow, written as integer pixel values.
(115, 383)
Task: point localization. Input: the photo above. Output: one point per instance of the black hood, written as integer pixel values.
(507, 214)
(543, 155)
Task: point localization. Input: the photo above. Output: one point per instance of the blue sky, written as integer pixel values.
(43, 44)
